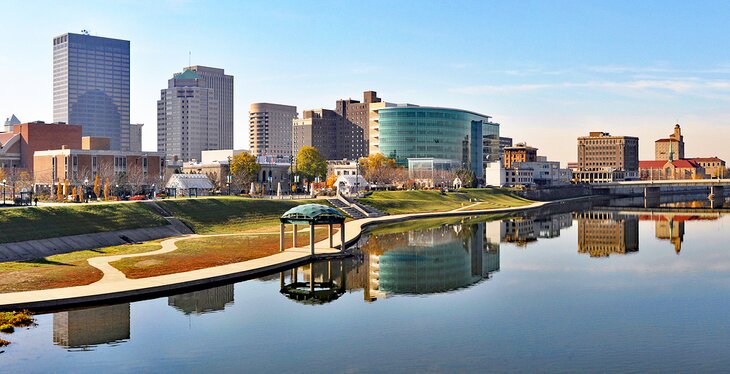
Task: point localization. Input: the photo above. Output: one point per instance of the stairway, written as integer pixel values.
(350, 211)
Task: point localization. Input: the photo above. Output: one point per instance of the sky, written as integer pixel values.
(547, 71)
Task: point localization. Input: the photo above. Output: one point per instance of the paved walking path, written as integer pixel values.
(115, 285)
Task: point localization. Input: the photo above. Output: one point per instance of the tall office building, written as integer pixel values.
(319, 129)
(358, 114)
(135, 137)
(91, 85)
(605, 158)
(187, 118)
(270, 128)
(222, 86)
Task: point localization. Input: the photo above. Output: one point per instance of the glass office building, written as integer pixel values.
(441, 133)
(91, 85)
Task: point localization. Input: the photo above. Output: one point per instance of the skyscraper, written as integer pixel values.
(187, 118)
(270, 129)
(91, 85)
(222, 86)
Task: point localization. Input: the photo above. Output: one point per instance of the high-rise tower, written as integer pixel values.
(222, 86)
(91, 85)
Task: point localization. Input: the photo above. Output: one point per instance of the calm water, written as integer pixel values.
(580, 290)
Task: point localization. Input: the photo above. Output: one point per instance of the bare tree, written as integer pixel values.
(135, 178)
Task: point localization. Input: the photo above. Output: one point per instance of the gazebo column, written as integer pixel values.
(281, 238)
(294, 236)
(329, 232)
(311, 237)
(342, 236)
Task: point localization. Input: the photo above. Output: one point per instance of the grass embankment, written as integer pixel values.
(64, 270)
(206, 215)
(50, 222)
(229, 215)
(397, 202)
(10, 320)
(200, 253)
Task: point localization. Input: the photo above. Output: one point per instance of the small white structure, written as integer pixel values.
(189, 185)
(527, 174)
(350, 184)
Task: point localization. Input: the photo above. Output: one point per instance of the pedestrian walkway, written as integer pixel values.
(115, 285)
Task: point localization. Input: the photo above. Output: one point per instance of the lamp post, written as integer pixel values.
(86, 189)
(229, 178)
(4, 185)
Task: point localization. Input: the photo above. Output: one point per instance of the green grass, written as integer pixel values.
(79, 257)
(49, 222)
(396, 202)
(227, 215)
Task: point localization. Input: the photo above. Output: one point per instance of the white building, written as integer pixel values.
(187, 118)
(527, 174)
(189, 185)
(270, 129)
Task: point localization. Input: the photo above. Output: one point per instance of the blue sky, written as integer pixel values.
(548, 71)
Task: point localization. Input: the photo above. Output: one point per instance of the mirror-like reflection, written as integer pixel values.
(204, 301)
(557, 275)
(86, 328)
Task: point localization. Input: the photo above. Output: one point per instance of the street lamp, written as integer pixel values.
(86, 189)
(4, 185)
(229, 179)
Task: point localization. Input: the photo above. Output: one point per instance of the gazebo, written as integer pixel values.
(312, 215)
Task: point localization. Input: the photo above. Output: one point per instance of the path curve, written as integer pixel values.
(116, 288)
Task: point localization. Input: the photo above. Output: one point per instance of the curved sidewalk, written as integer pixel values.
(114, 285)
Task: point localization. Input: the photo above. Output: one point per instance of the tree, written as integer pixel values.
(378, 169)
(468, 178)
(331, 180)
(136, 178)
(244, 168)
(311, 164)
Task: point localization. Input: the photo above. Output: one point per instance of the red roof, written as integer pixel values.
(685, 164)
(652, 164)
(659, 164)
(5, 136)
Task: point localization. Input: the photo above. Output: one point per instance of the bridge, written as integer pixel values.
(655, 188)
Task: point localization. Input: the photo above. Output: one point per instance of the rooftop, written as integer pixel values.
(312, 214)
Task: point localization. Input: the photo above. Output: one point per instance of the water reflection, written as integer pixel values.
(86, 328)
(204, 301)
(601, 234)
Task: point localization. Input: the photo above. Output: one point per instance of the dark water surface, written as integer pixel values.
(584, 290)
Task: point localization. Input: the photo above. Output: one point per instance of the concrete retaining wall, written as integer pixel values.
(31, 249)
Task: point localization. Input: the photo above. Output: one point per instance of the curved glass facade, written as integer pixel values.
(423, 132)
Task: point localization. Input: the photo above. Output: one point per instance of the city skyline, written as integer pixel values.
(548, 77)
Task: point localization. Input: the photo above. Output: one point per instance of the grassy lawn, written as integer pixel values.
(64, 270)
(229, 215)
(199, 253)
(396, 202)
(50, 222)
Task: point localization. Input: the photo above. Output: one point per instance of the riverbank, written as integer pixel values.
(122, 288)
(422, 201)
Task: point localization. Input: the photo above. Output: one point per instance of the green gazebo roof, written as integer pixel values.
(313, 214)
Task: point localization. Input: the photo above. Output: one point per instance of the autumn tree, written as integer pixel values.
(378, 169)
(244, 169)
(311, 164)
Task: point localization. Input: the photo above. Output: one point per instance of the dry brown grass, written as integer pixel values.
(200, 253)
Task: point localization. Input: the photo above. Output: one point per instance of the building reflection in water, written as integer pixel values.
(670, 226)
(432, 260)
(85, 328)
(525, 230)
(203, 301)
(601, 234)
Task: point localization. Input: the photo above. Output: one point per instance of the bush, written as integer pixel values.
(138, 197)
(7, 328)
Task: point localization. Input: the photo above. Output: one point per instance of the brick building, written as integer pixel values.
(17, 147)
(519, 153)
(129, 170)
(605, 158)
